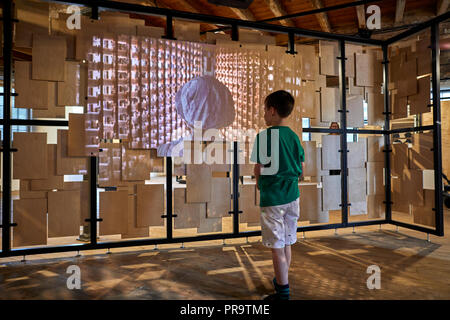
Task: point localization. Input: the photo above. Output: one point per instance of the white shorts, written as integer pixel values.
(279, 224)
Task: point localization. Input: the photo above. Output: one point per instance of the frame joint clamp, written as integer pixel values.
(166, 216)
(94, 220)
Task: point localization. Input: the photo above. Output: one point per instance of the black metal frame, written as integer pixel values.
(7, 122)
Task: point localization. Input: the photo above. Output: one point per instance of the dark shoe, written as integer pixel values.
(275, 297)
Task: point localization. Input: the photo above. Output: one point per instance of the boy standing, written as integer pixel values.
(278, 155)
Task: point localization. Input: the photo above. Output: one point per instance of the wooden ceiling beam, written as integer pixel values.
(361, 14)
(278, 10)
(321, 17)
(442, 7)
(399, 11)
(243, 14)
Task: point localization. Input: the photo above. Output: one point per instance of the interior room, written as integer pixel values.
(128, 132)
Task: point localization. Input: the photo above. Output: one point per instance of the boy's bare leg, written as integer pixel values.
(287, 253)
(280, 266)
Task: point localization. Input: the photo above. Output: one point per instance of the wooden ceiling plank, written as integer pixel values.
(278, 10)
(321, 17)
(243, 14)
(399, 11)
(442, 6)
(361, 14)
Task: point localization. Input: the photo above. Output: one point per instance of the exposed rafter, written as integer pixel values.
(321, 17)
(442, 6)
(278, 10)
(361, 14)
(243, 14)
(399, 11)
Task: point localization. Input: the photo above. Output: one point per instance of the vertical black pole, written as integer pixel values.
(169, 213)
(93, 198)
(169, 28)
(387, 136)
(343, 111)
(235, 188)
(234, 32)
(437, 143)
(6, 184)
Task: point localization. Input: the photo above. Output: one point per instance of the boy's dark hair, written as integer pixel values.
(282, 101)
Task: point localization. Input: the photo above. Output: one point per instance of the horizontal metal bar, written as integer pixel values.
(357, 131)
(414, 227)
(421, 128)
(307, 13)
(418, 28)
(143, 242)
(35, 122)
(135, 8)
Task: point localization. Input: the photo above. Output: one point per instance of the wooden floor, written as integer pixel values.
(324, 266)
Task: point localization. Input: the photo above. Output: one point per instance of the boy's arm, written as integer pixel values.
(257, 173)
(300, 178)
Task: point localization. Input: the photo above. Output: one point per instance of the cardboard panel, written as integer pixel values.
(64, 163)
(188, 214)
(247, 204)
(425, 215)
(355, 115)
(310, 202)
(328, 52)
(419, 102)
(195, 191)
(220, 203)
(329, 104)
(420, 155)
(81, 143)
(331, 192)
(365, 69)
(310, 164)
(32, 93)
(357, 153)
(219, 156)
(68, 89)
(156, 163)
(423, 57)
(375, 206)
(308, 99)
(52, 111)
(26, 193)
(353, 89)
(150, 205)
(375, 109)
(84, 188)
(358, 208)
(31, 159)
(309, 62)
(375, 147)
(356, 185)
(114, 212)
(407, 85)
(109, 167)
(49, 54)
(400, 159)
(208, 225)
(64, 213)
(330, 152)
(135, 164)
(350, 51)
(375, 178)
(132, 230)
(31, 218)
(407, 189)
(53, 181)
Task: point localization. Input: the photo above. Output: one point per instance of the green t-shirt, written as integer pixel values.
(278, 182)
